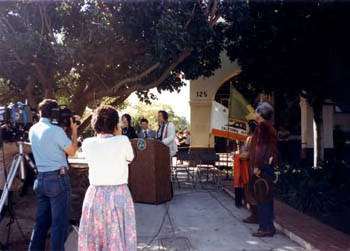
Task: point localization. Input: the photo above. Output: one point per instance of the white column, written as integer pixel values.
(307, 134)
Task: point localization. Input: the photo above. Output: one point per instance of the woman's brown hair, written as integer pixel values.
(105, 119)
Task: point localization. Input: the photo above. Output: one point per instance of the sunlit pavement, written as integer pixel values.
(199, 220)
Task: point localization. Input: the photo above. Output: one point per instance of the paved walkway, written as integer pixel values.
(201, 220)
(198, 220)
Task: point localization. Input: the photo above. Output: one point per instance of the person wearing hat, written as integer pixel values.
(263, 158)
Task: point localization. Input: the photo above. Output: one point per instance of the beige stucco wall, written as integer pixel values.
(202, 93)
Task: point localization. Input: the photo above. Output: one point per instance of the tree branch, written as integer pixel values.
(100, 79)
(44, 80)
(213, 10)
(120, 100)
(8, 24)
(48, 25)
(21, 61)
(183, 55)
(140, 87)
(42, 20)
(103, 93)
(214, 17)
(214, 20)
(18, 58)
(191, 17)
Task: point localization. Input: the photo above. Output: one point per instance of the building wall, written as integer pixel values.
(202, 93)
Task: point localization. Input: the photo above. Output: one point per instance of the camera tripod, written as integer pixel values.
(18, 162)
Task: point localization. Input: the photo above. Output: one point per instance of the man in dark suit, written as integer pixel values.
(145, 132)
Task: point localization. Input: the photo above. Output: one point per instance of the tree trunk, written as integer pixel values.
(30, 95)
(87, 121)
(78, 105)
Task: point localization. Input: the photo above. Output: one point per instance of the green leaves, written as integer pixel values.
(310, 189)
(108, 46)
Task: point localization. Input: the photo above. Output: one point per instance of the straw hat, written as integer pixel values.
(263, 188)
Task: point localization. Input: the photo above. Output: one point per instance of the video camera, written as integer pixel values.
(15, 120)
(20, 114)
(61, 116)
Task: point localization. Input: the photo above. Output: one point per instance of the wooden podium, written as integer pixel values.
(149, 172)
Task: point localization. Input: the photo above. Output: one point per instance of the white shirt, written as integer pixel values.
(169, 138)
(108, 159)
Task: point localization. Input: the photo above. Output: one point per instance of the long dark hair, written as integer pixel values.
(128, 118)
(165, 115)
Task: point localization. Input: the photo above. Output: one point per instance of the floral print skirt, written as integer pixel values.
(108, 219)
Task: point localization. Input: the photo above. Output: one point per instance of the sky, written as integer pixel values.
(178, 101)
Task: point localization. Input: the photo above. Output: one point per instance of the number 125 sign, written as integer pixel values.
(202, 94)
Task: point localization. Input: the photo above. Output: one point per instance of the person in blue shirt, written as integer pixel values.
(50, 145)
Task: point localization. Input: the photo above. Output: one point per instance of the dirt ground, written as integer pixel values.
(25, 209)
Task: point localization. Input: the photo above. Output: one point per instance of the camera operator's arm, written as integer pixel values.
(72, 149)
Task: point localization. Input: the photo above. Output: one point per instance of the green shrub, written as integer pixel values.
(319, 189)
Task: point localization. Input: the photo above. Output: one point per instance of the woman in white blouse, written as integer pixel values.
(108, 216)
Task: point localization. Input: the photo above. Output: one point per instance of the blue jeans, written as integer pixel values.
(53, 193)
(266, 210)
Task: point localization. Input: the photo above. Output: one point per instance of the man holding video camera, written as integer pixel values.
(52, 187)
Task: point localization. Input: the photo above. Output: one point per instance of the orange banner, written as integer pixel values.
(228, 135)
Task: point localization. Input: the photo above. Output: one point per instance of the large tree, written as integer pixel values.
(83, 51)
(293, 47)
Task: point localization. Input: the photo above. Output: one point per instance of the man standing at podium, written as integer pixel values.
(145, 132)
(166, 132)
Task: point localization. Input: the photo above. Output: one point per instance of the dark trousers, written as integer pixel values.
(266, 210)
(53, 193)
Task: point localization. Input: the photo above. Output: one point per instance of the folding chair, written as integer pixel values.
(225, 164)
(207, 161)
(184, 156)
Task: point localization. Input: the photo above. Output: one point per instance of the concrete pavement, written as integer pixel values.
(201, 220)
(198, 220)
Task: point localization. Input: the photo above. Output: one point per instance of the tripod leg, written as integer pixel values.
(14, 216)
(30, 162)
(8, 232)
(13, 219)
(14, 167)
(20, 230)
(12, 173)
